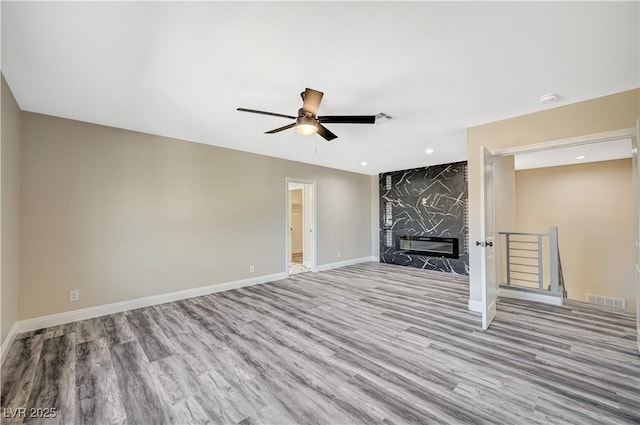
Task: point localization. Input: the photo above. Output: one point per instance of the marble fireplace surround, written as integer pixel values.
(428, 202)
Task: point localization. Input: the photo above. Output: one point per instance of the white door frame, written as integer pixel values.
(312, 227)
(571, 141)
(636, 190)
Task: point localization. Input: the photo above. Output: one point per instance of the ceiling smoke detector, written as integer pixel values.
(549, 98)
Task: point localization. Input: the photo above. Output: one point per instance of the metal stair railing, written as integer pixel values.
(562, 288)
(525, 261)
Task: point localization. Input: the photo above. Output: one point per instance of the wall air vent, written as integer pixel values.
(607, 301)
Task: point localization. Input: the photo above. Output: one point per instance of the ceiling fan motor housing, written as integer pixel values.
(303, 113)
(306, 120)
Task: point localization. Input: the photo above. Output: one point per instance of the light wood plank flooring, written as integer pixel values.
(365, 344)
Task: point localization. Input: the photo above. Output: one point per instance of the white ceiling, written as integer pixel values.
(181, 69)
(570, 155)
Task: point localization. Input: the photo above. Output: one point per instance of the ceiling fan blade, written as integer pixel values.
(280, 129)
(324, 132)
(312, 100)
(265, 113)
(348, 119)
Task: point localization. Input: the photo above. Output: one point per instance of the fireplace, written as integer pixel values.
(429, 245)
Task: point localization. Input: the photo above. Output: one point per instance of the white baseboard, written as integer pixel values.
(119, 307)
(324, 267)
(530, 296)
(4, 348)
(102, 310)
(475, 306)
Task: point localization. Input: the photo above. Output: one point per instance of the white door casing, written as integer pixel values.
(635, 158)
(487, 239)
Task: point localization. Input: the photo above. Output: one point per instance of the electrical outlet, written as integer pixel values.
(74, 295)
(339, 254)
(252, 268)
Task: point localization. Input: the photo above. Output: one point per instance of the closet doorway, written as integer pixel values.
(300, 226)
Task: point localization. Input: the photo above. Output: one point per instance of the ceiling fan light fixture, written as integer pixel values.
(307, 122)
(306, 125)
(306, 129)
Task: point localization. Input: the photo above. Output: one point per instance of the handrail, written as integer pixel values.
(522, 233)
(561, 276)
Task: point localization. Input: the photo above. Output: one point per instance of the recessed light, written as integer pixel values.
(363, 163)
(549, 98)
(428, 151)
(581, 157)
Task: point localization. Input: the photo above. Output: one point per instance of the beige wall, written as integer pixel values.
(296, 196)
(297, 230)
(10, 210)
(592, 205)
(121, 215)
(608, 113)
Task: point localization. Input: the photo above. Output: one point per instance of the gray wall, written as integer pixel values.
(121, 215)
(10, 210)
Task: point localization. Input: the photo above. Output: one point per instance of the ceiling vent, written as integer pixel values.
(382, 118)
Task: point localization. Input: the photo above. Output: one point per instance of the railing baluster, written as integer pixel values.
(554, 254)
(540, 275)
(508, 236)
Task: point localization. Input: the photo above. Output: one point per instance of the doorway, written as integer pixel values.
(300, 230)
(489, 282)
(579, 187)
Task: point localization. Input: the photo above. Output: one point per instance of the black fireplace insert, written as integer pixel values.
(429, 245)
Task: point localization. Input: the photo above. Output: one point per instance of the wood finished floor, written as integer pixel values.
(365, 344)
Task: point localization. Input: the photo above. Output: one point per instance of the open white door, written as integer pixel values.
(635, 158)
(487, 239)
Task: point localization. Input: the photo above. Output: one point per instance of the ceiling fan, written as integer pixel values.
(307, 121)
